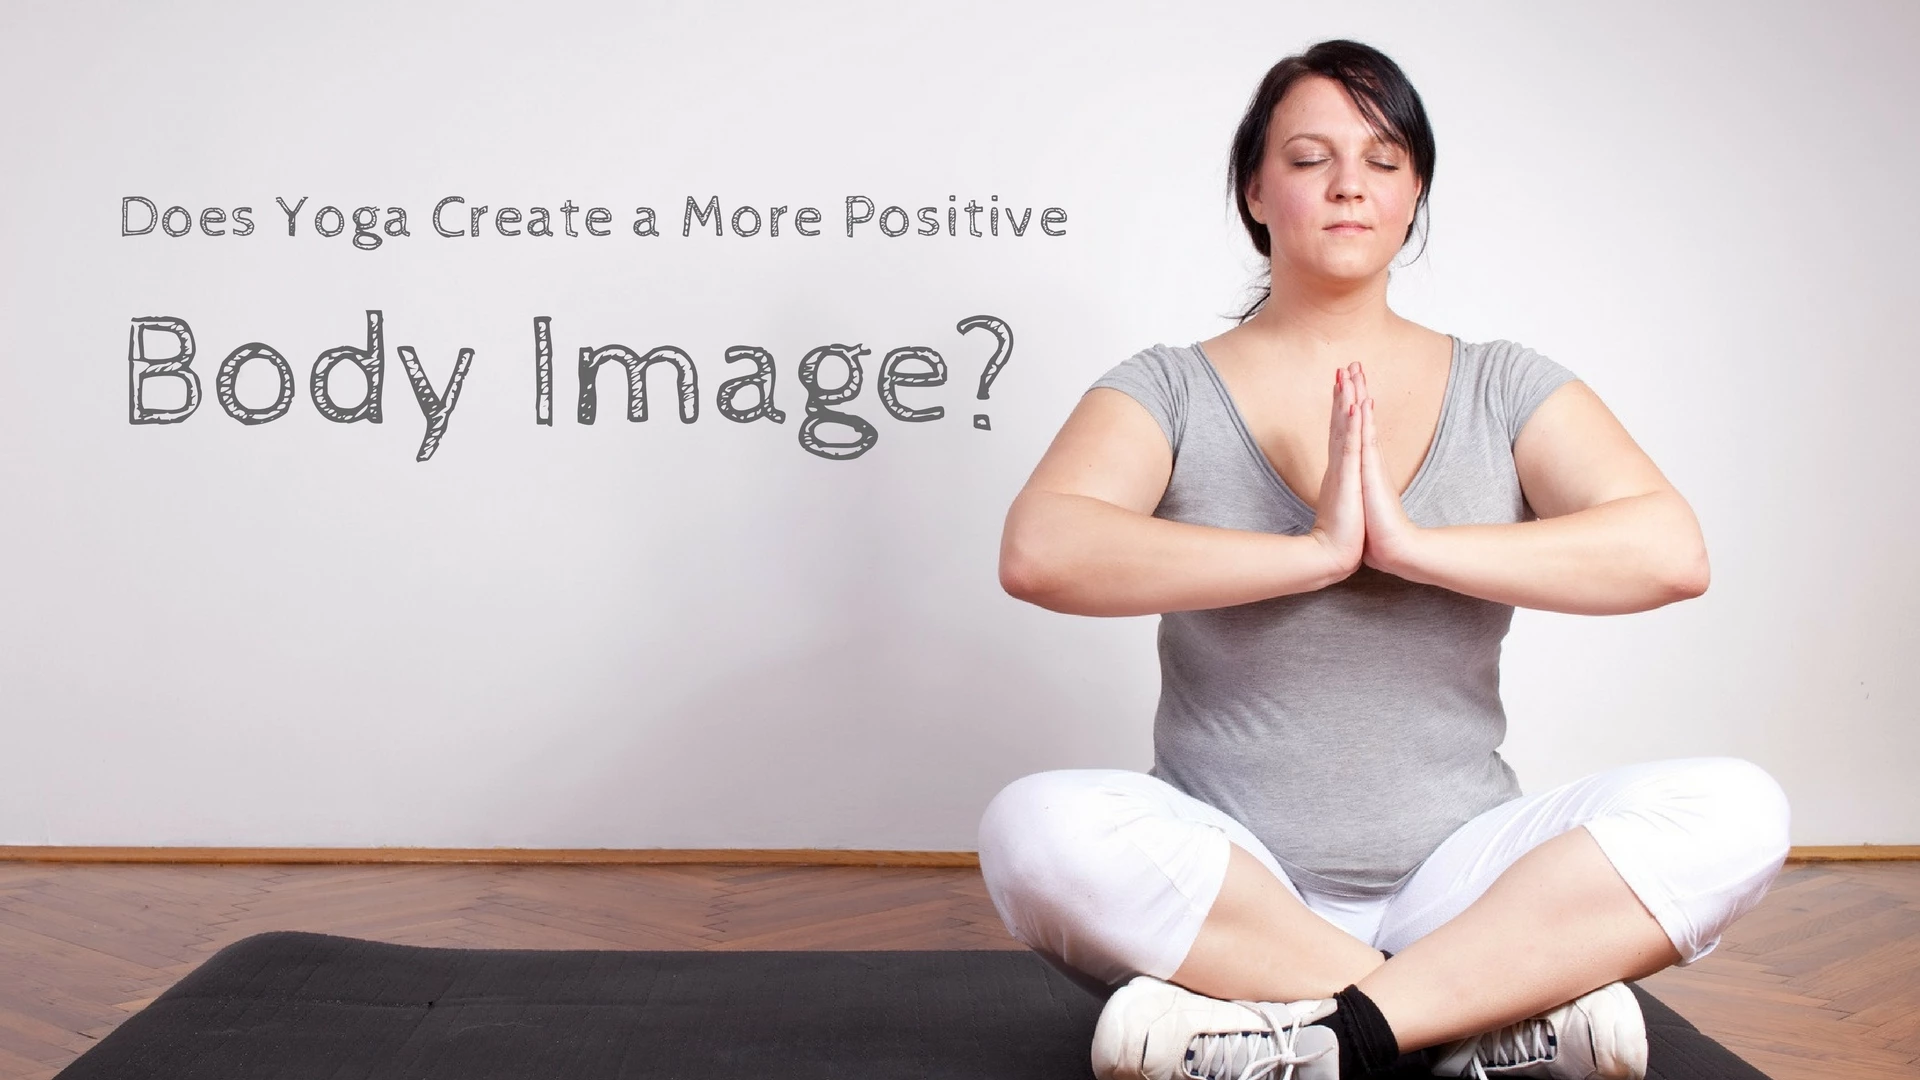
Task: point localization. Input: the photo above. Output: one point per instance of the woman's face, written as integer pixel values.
(1324, 166)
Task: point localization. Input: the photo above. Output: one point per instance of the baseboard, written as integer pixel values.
(641, 856)
(1855, 853)
(570, 856)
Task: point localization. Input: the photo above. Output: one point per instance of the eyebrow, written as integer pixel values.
(1375, 141)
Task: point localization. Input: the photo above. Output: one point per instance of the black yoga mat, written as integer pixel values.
(297, 1006)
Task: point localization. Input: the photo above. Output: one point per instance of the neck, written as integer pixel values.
(1327, 322)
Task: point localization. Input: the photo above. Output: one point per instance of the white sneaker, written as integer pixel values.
(1597, 1036)
(1156, 1030)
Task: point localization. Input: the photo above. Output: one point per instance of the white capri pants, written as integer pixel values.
(1109, 873)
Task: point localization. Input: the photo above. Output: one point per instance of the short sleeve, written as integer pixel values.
(1152, 377)
(1525, 379)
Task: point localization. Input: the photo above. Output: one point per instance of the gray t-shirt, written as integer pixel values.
(1350, 728)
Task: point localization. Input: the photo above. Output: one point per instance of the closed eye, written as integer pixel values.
(1318, 161)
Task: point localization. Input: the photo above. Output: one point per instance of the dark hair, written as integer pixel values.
(1385, 97)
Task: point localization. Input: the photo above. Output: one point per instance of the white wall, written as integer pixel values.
(639, 635)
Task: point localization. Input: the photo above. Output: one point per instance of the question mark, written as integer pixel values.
(1002, 350)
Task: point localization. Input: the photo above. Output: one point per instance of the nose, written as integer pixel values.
(1346, 181)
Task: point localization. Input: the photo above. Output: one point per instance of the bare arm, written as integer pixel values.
(1080, 538)
(1613, 536)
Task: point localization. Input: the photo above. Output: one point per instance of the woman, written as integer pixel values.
(1329, 869)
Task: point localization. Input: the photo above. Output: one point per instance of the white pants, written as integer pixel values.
(1108, 873)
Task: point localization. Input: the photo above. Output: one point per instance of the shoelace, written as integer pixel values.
(1218, 1053)
(1524, 1043)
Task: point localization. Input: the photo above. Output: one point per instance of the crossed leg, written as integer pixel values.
(1558, 923)
(1561, 915)
(1110, 873)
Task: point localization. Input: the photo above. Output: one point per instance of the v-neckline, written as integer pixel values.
(1273, 474)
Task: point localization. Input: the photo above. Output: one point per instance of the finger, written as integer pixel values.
(1363, 460)
(1372, 469)
(1338, 415)
(1363, 401)
(1353, 389)
(1372, 463)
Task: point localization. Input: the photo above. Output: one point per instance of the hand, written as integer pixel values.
(1340, 523)
(1390, 534)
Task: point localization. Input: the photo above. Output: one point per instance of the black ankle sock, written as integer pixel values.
(1366, 1041)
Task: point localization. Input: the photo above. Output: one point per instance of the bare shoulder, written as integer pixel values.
(1226, 350)
(1426, 343)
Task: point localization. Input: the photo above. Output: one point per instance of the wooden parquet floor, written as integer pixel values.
(1822, 980)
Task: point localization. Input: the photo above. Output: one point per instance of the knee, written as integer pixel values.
(1033, 829)
(1745, 803)
(1755, 795)
(1020, 821)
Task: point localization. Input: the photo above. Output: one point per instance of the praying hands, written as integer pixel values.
(1360, 518)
